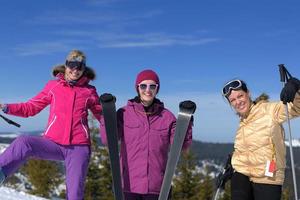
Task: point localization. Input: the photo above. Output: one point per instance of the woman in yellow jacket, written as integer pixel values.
(259, 150)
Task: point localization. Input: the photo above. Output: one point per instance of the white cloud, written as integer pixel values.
(78, 31)
(155, 42)
(41, 48)
(129, 40)
(86, 39)
(83, 18)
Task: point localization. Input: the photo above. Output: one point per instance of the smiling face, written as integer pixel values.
(240, 101)
(147, 94)
(73, 74)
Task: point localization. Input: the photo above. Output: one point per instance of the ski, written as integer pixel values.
(186, 110)
(110, 119)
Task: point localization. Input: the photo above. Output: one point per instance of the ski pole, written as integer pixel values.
(283, 78)
(10, 121)
(217, 194)
(224, 176)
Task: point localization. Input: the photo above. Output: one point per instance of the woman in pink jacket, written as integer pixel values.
(146, 130)
(67, 135)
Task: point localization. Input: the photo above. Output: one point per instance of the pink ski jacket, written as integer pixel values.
(145, 143)
(69, 105)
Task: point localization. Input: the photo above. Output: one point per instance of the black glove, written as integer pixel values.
(226, 175)
(289, 91)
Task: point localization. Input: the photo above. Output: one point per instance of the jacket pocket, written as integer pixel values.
(132, 131)
(132, 125)
(163, 131)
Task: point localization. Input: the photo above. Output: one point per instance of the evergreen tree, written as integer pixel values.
(206, 187)
(92, 185)
(99, 180)
(286, 193)
(187, 179)
(226, 195)
(44, 176)
(106, 187)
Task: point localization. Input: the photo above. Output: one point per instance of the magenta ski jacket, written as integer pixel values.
(69, 105)
(145, 142)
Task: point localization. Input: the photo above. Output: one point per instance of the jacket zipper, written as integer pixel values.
(50, 125)
(86, 133)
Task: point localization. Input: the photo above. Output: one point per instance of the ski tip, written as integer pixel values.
(188, 106)
(107, 97)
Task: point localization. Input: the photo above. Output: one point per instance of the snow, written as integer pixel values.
(10, 194)
(9, 135)
(3, 147)
(295, 143)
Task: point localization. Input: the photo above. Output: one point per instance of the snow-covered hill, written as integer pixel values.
(10, 194)
(295, 143)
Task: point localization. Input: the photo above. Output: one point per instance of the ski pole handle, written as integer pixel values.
(282, 73)
(10, 121)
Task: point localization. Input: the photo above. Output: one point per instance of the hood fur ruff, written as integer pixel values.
(89, 73)
(263, 97)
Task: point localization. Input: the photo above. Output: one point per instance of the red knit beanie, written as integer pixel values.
(147, 74)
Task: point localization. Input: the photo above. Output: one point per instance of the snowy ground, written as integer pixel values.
(10, 194)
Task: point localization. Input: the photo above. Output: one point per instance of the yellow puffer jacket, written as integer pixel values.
(260, 138)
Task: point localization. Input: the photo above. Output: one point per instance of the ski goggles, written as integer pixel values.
(75, 65)
(231, 85)
(151, 86)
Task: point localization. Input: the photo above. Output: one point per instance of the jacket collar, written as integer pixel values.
(154, 109)
(255, 104)
(81, 82)
(254, 111)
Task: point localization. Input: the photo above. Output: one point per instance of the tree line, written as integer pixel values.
(46, 178)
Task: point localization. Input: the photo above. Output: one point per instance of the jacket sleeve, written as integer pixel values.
(279, 109)
(103, 133)
(96, 107)
(188, 137)
(32, 106)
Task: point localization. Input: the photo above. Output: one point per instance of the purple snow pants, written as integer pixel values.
(76, 159)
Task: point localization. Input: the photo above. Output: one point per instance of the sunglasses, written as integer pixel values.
(231, 85)
(151, 86)
(75, 65)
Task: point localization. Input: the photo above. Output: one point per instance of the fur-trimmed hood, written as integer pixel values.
(263, 97)
(89, 73)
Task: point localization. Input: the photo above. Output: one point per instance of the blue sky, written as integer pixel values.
(194, 46)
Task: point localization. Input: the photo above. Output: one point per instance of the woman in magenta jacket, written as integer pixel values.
(67, 135)
(146, 130)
